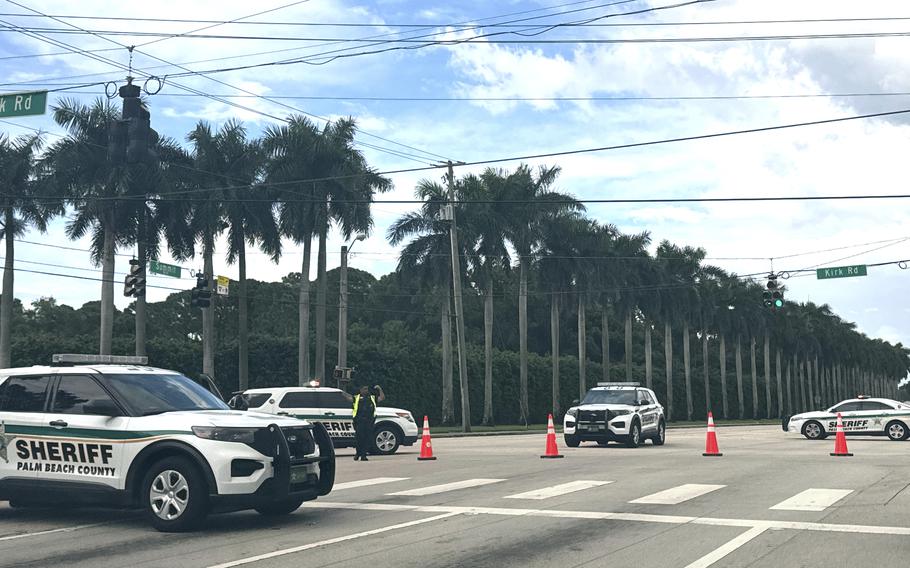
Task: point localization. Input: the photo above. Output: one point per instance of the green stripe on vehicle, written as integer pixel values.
(90, 433)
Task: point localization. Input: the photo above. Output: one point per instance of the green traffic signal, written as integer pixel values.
(778, 303)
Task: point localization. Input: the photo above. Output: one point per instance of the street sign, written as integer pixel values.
(223, 284)
(163, 269)
(841, 272)
(23, 104)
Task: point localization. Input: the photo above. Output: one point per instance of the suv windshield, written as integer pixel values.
(147, 394)
(609, 397)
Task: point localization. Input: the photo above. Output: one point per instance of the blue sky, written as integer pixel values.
(838, 159)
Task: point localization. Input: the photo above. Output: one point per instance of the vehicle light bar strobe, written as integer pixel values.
(619, 384)
(88, 359)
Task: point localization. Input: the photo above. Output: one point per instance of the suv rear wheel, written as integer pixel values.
(174, 495)
(386, 439)
(661, 435)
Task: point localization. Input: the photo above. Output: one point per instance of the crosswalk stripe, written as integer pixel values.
(677, 495)
(812, 500)
(557, 490)
(367, 482)
(433, 489)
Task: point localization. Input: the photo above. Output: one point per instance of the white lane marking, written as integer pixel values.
(677, 495)
(434, 489)
(367, 482)
(52, 531)
(722, 551)
(296, 549)
(636, 517)
(557, 490)
(812, 500)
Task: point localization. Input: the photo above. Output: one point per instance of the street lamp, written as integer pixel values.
(343, 309)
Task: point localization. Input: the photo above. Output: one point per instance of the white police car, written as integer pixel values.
(107, 430)
(861, 415)
(330, 407)
(623, 412)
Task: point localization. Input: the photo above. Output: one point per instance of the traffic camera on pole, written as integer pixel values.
(201, 296)
(134, 282)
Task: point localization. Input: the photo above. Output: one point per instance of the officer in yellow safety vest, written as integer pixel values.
(364, 413)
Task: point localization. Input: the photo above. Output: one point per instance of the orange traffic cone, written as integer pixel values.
(711, 449)
(426, 446)
(552, 450)
(840, 440)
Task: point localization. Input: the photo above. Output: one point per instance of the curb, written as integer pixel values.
(559, 430)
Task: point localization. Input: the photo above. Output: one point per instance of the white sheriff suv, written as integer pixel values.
(331, 408)
(108, 430)
(622, 412)
(862, 416)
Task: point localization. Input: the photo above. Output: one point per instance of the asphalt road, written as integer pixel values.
(492, 501)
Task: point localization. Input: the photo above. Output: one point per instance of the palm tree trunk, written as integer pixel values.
(107, 293)
(6, 299)
(818, 384)
(141, 312)
(448, 402)
(767, 374)
(321, 298)
(582, 347)
(705, 362)
(804, 401)
(799, 400)
(649, 373)
(629, 346)
(303, 316)
(723, 374)
(554, 348)
(809, 385)
(754, 382)
(243, 332)
(488, 353)
(668, 362)
(780, 390)
(523, 339)
(739, 377)
(208, 314)
(790, 411)
(605, 344)
(688, 369)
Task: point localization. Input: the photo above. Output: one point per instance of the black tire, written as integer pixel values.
(386, 436)
(190, 491)
(279, 508)
(661, 436)
(896, 431)
(633, 440)
(572, 441)
(813, 430)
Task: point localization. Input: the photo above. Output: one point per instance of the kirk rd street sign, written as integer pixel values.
(841, 272)
(23, 104)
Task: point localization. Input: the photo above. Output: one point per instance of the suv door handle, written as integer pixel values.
(58, 424)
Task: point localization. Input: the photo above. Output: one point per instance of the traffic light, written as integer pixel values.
(134, 283)
(201, 296)
(116, 142)
(774, 295)
(132, 139)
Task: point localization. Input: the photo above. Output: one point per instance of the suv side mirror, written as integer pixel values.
(209, 384)
(575, 402)
(102, 407)
(641, 402)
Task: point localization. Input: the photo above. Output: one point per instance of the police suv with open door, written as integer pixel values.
(622, 412)
(108, 430)
(330, 407)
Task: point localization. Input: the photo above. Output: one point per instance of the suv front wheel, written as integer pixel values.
(386, 439)
(174, 495)
(634, 438)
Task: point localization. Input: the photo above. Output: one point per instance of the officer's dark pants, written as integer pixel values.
(363, 434)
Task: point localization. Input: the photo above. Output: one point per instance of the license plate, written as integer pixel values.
(299, 474)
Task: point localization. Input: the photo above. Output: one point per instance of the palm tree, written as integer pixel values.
(95, 188)
(288, 149)
(426, 261)
(632, 271)
(343, 186)
(20, 208)
(537, 202)
(488, 223)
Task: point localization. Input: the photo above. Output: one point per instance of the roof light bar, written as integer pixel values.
(619, 384)
(87, 359)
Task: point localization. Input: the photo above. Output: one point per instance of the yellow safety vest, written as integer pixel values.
(357, 403)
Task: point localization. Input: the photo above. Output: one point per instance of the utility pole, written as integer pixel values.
(459, 308)
(343, 309)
